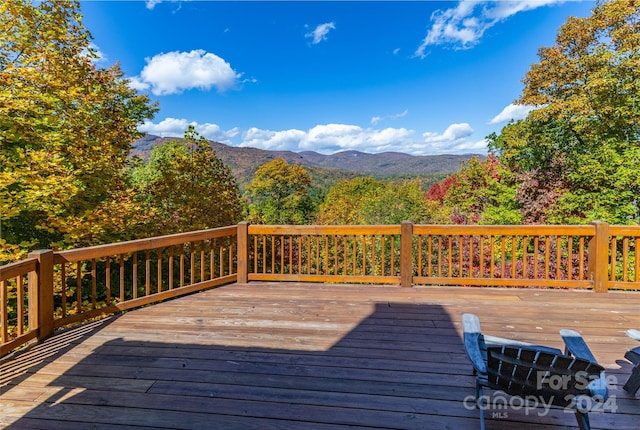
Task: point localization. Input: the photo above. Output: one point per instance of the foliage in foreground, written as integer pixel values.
(65, 131)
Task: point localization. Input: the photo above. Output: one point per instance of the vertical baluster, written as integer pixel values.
(93, 283)
(121, 280)
(559, 257)
(570, 257)
(134, 292)
(20, 304)
(326, 256)
(636, 249)
(4, 322)
(625, 259)
(107, 279)
(481, 256)
(392, 271)
(78, 287)
(525, 245)
(181, 265)
(63, 291)
(382, 255)
(159, 269)
(536, 249)
(492, 263)
(503, 256)
(582, 267)
(192, 263)
(429, 253)
(547, 258)
(440, 257)
(232, 247)
(221, 256)
(202, 261)
(614, 257)
(147, 273)
(514, 253)
(460, 255)
(171, 267)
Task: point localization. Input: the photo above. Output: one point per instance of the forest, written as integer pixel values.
(68, 178)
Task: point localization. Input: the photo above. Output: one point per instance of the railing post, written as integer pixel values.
(406, 254)
(41, 294)
(243, 252)
(599, 257)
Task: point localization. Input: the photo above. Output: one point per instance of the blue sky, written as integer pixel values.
(420, 77)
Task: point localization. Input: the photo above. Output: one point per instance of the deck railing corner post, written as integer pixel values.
(406, 254)
(243, 252)
(598, 260)
(41, 294)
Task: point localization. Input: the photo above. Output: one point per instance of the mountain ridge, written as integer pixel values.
(244, 161)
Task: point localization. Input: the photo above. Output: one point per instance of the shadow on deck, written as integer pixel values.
(269, 356)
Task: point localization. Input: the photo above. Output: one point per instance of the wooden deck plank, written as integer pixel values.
(305, 356)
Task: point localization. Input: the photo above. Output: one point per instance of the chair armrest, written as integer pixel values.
(633, 355)
(472, 338)
(634, 334)
(576, 346)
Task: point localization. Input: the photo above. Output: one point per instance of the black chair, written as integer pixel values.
(535, 372)
(633, 355)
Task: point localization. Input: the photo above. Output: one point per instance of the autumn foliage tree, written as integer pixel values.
(366, 200)
(184, 186)
(279, 194)
(66, 127)
(578, 153)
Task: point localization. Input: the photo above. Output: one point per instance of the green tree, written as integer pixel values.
(582, 141)
(65, 132)
(344, 201)
(184, 186)
(279, 194)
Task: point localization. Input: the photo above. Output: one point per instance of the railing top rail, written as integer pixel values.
(99, 251)
(323, 229)
(624, 230)
(510, 230)
(22, 267)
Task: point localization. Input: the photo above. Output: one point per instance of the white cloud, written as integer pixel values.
(331, 138)
(464, 25)
(320, 32)
(512, 112)
(376, 119)
(152, 3)
(454, 140)
(174, 127)
(175, 72)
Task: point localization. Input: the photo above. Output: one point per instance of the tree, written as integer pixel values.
(279, 194)
(344, 201)
(582, 140)
(65, 132)
(481, 192)
(368, 201)
(184, 186)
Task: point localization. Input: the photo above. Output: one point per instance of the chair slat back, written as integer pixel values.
(526, 372)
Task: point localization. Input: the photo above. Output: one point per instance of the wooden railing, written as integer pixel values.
(80, 284)
(52, 289)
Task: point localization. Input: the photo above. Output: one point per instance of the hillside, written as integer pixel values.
(324, 168)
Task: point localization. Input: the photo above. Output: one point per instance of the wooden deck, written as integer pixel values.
(306, 356)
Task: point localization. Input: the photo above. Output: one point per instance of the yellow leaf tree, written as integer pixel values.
(66, 126)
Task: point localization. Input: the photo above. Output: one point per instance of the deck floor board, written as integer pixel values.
(306, 356)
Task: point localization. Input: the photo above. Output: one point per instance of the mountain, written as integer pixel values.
(324, 168)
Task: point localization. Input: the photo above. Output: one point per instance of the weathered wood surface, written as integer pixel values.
(300, 356)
